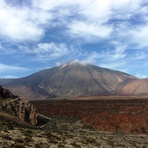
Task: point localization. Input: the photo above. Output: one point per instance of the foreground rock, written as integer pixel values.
(21, 109)
(17, 107)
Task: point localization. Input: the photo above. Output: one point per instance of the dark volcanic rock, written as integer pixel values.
(5, 93)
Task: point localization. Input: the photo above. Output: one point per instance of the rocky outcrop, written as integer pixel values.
(5, 93)
(21, 109)
(17, 107)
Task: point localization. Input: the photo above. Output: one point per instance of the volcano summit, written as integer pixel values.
(72, 79)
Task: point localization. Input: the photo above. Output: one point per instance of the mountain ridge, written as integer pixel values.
(72, 79)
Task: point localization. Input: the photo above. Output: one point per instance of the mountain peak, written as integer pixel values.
(75, 78)
(72, 62)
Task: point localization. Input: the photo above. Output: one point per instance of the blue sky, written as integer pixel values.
(40, 34)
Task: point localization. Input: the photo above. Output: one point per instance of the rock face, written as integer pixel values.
(17, 107)
(72, 79)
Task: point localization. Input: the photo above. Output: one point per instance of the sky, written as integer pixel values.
(41, 34)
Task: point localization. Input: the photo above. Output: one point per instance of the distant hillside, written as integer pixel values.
(69, 80)
(5, 94)
(4, 81)
(133, 87)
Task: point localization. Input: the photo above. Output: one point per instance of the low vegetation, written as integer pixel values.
(74, 135)
(81, 124)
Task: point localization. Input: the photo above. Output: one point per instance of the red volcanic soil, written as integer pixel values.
(126, 116)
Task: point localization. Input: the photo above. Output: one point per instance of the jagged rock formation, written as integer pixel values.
(17, 107)
(21, 109)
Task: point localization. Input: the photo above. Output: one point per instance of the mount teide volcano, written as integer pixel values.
(69, 80)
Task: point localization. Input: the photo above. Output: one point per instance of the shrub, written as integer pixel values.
(27, 139)
(18, 140)
(7, 137)
(18, 145)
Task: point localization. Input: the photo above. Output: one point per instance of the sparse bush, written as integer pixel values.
(18, 145)
(18, 140)
(49, 135)
(4, 128)
(143, 130)
(41, 145)
(27, 139)
(144, 146)
(61, 145)
(75, 145)
(28, 133)
(37, 145)
(111, 143)
(10, 126)
(7, 137)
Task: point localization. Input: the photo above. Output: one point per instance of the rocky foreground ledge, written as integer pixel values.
(17, 107)
(21, 109)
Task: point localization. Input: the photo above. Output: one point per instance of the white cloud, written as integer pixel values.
(9, 68)
(140, 35)
(140, 55)
(86, 30)
(21, 24)
(3, 51)
(49, 51)
(87, 61)
(50, 5)
(91, 17)
(58, 63)
(54, 50)
(8, 77)
(116, 66)
(97, 10)
(119, 51)
(128, 7)
(141, 76)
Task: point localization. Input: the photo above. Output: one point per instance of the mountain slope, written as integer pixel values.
(69, 80)
(5, 81)
(134, 87)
